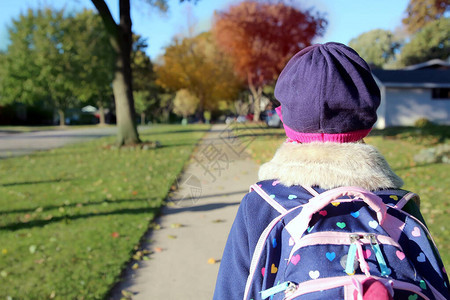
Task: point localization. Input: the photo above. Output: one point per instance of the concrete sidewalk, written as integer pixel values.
(196, 223)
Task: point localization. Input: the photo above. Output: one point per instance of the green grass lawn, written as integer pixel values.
(398, 145)
(71, 218)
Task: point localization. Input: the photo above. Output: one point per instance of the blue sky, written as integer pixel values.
(347, 18)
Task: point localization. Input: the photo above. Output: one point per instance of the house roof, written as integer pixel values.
(422, 78)
(431, 64)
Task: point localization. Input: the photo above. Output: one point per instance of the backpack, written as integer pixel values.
(328, 246)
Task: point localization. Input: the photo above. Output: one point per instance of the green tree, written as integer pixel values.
(120, 36)
(429, 43)
(421, 12)
(196, 64)
(2, 73)
(38, 62)
(141, 65)
(378, 47)
(141, 99)
(61, 58)
(94, 54)
(145, 91)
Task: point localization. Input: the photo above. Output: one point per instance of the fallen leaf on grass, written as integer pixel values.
(115, 235)
(126, 294)
(39, 261)
(32, 249)
(138, 255)
(172, 236)
(4, 251)
(98, 182)
(154, 226)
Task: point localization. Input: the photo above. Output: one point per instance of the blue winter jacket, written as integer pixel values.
(282, 178)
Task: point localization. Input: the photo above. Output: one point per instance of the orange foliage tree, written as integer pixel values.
(261, 37)
(421, 12)
(197, 65)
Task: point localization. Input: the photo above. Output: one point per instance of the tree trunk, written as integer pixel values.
(142, 118)
(101, 113)
(256, 94)
(127, 132)
(121, 41)
(200, 110)
(62, 121)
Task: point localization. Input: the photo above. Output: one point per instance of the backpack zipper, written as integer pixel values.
(350, 265)
(342, 238)
(385, 271)
(286, 287)
(356, 251)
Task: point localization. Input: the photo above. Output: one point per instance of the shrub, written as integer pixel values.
(423, 123)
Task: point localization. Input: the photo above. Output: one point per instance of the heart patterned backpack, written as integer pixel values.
(332, 245)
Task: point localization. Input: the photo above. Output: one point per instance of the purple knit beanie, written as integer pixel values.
(327, 93)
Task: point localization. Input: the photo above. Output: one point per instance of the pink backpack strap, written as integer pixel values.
(402, 202)
(297, 226)
(310, 190)
(268, 199)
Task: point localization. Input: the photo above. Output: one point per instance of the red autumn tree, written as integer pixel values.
(261, 37)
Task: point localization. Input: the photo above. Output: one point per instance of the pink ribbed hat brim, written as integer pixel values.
(301, 137)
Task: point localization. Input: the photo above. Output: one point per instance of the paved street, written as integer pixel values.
(15, 144)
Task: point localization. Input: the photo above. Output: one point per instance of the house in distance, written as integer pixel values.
(415, 92)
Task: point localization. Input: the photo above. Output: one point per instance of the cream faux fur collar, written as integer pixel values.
(330, 165)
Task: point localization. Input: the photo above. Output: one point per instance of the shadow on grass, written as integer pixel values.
(243, 131)
(439, 131)
(140, 210)
(267, 134)
(151, 133)
(175, 145)
(418, 166)
(68, 218)
(60, 152)
(81, 204)
(33, 182)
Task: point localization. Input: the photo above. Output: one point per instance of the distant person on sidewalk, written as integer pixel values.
(328, 105)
